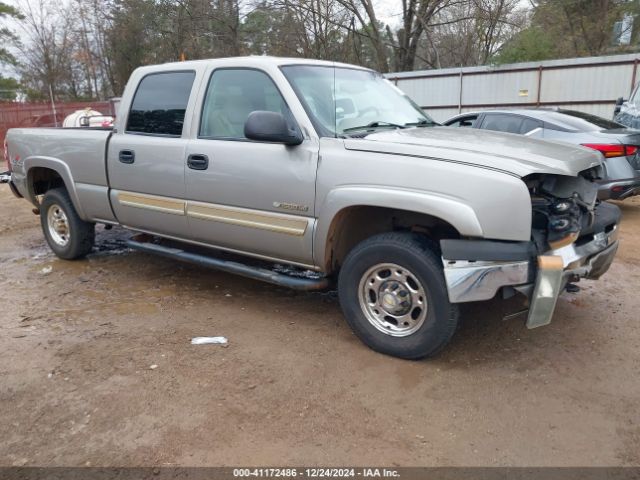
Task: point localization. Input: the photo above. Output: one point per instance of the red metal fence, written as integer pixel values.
(15, 114)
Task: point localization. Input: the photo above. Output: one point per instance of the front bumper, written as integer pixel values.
(555, 269)
(541, 279)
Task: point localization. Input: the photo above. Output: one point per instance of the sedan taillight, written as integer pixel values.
(613, 150)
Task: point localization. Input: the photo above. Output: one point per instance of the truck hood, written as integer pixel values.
(510, 153)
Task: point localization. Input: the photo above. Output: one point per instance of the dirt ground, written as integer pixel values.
(294, 386)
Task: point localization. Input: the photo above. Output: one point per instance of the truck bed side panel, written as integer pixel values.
(78, 155)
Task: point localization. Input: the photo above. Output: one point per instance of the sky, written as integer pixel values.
(389, 11)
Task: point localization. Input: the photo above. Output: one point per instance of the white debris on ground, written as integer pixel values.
(207, 340)
(46, 270)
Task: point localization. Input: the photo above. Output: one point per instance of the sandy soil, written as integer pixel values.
(294, 386)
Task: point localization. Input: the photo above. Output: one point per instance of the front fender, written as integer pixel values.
(460, 215)
(61, 168)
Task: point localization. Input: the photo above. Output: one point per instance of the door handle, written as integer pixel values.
(197, 162)
(127, 156)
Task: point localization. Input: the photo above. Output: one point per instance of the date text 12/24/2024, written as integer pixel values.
(315, 473)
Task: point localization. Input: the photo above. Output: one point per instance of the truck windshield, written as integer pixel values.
(343, 101)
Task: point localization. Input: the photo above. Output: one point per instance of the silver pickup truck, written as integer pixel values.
(243, 163)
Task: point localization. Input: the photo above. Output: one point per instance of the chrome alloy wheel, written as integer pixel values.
(58, 225)
(392, 299)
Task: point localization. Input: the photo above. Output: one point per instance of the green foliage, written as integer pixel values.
(6, 35)
(581, 27)
(570, 28)
(9, 88)
(9, 11)
(268, 31)
(529, 45)
(130, 38)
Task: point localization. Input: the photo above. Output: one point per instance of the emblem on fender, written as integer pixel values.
(291, 206)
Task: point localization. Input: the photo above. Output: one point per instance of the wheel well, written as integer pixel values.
(42, 179)
(355, 224)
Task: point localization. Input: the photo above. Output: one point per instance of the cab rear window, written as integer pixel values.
(160, 103)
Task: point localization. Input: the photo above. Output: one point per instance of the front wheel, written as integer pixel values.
(393, 295)
(67, 234)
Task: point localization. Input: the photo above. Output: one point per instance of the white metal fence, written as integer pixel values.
(590, 85)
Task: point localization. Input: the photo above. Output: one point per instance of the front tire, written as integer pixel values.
(393, 295)
(67, 234)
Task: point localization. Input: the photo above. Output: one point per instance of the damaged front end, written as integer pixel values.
(573, 236)
(561, 208)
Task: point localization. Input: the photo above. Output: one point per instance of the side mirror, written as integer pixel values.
(619, 101)
(271, 127)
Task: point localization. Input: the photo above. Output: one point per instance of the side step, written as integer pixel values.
(257, 273)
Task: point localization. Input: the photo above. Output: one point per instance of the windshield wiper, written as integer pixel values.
(377, 123)
(421, 123)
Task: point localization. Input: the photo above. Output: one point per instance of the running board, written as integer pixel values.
(242, 269)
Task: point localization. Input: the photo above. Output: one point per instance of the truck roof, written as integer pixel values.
(250, 60)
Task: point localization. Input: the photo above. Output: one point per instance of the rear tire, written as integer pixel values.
(393, 295)
(67, 234)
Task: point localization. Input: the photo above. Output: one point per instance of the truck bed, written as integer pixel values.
(83, 150)
(80, 152)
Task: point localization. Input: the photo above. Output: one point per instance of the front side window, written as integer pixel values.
(160, 103)
(344, 100)
(231, 96)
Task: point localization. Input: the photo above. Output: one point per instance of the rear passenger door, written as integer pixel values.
(146, 160)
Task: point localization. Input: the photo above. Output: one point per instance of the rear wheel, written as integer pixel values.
(66, 233)
(394, 297)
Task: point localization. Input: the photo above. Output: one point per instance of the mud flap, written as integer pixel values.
(548, 286)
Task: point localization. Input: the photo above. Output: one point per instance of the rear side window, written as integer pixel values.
(502, 123)
(160, 103)
(529, 124)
